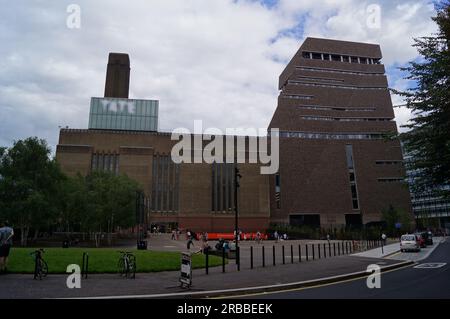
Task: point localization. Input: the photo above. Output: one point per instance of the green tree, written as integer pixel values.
(100, 202)
(428, 140)
(30, 180)
(392, 216)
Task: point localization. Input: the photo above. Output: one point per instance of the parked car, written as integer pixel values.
(409, 242)
(421, 240)
(428, 236)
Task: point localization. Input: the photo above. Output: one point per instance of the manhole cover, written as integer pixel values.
(430, 265)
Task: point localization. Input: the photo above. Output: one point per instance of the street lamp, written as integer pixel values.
(237, 176)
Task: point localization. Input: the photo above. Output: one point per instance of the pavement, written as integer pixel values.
(295, 273)
(166, 284)
(380, 252)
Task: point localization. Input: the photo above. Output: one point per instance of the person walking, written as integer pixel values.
(190, 242)
(6, 235)
(258, 237)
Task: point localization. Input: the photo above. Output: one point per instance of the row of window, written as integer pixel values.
(321, 79)
(123, 122)
(389, 162)
(105, 162)
(337, 108)
(332, 136)
(222, 190)
(316, 69)
(442, 211)
(340, 58)
(391, 179)
(293, 82)
(165, 184)
(345, 119)
(297, 96)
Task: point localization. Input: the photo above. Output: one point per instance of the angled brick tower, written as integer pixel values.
(334, 109)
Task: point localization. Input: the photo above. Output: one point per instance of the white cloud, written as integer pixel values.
(217, 61)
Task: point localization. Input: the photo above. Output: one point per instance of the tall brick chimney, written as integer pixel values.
(117, 75)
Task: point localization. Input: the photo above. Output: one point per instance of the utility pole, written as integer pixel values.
(237, 176)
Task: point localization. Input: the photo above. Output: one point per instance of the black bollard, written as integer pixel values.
(307, 253)
(329, 249)
(273, 255)
(324, 250)
(282, 251)
(334, 249)
(292, 254)
(318, 250)
(263, 257)
(238, 258)
(313, 253)
(251, 257)
(223, 259)
(299, 253)
(207, 260)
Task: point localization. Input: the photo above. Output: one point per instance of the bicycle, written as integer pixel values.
(40, 266)
(127, 265)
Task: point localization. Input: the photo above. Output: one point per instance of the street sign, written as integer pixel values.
(186, 270)
(398, 225)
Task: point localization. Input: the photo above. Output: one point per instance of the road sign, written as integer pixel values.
(398, 225)
(186, 270)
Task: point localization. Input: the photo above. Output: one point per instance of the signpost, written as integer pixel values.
(186, 270)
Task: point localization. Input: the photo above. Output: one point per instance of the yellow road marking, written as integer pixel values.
(395, 254)
(310, 287)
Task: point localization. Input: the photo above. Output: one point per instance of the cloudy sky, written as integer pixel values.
(213, 60)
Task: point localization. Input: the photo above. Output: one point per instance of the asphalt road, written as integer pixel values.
(408, 282)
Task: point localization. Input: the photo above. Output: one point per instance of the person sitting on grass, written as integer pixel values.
(6, 235)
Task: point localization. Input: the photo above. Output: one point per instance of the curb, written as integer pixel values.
(258, 289)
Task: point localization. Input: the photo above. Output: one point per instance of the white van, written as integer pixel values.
(409, 242)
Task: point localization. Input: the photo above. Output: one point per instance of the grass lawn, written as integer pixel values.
(102, 260)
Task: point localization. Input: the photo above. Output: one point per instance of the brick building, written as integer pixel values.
(336, 167)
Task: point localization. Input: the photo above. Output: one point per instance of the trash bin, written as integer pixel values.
(142, 245)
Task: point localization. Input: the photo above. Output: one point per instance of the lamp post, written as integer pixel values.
(237, 176)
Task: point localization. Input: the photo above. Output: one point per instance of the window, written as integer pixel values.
(315, 69)
(363, 60)
(278, 190)
(306, 55)
(222, 187)
(354, 59)
(332, 136)
(165, 184)
(352, 176)
(391, 179)
(105, 162)
(317, 56)
(349, 154)
(336, 58)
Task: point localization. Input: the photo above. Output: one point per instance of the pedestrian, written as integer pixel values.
(328, 238)
(174, 236)
(6, 235)
(258, 237)
(275, 236)
(190, 243)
